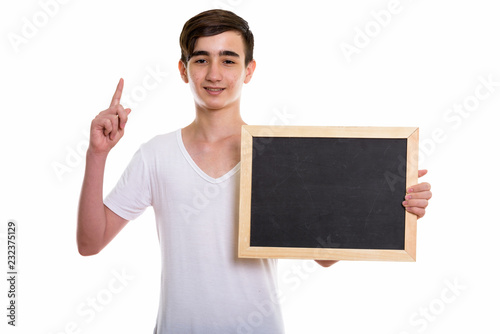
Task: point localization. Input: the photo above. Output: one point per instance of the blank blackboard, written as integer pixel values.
(327, 193)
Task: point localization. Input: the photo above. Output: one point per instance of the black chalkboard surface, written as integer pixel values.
(327, 193)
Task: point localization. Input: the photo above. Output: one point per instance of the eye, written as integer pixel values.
(200, 61)
(227, 61)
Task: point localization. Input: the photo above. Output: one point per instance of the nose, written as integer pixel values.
(214, 73)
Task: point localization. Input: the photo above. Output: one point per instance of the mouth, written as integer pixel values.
(214, 90)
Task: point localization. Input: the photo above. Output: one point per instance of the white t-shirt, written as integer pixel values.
(205, 287)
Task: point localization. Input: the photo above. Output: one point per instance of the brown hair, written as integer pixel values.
(210, 23)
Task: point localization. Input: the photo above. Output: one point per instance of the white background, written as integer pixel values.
(410, 70)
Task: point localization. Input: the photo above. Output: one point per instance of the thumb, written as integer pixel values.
(122, 123)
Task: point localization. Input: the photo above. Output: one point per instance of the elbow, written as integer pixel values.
(87, 250)
(87, 245)
(326, 263)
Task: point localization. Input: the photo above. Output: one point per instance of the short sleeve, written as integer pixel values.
(131, 196)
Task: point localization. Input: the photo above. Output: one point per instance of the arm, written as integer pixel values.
(97, 225)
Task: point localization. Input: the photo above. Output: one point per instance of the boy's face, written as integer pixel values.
(216, 71)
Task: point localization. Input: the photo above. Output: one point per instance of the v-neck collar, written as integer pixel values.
(198, 170)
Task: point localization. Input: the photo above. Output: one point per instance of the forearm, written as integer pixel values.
(91, 213)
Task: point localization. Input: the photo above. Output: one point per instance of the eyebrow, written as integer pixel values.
(221, 53)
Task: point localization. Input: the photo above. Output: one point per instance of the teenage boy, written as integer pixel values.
(205, 287)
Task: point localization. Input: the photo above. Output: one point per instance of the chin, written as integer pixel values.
(213, 107)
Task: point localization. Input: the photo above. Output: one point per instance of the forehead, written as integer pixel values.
(228, 40)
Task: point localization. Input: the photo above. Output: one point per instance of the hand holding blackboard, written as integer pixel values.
(329, 193)
(418, 197)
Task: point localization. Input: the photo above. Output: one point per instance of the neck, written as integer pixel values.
(215, 125)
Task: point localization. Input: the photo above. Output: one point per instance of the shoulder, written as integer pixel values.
(160, 143)
(160, 150)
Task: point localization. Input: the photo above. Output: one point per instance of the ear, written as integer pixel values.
(183, 71)
(249, 71)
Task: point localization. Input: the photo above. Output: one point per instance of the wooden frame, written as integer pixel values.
(248, 133)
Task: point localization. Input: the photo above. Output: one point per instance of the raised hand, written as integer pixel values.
(108, 127)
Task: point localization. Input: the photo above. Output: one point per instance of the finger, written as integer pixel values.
(419, 187)
(419, 203)
(118, 94)
(420, 195)
(115, 121)
(422, 172)
(107, 126)
(127, 112)
(122, 116)
(417, 211)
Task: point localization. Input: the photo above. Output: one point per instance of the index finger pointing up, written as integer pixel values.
(118, 94)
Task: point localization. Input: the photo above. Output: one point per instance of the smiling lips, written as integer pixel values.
(214, 90)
